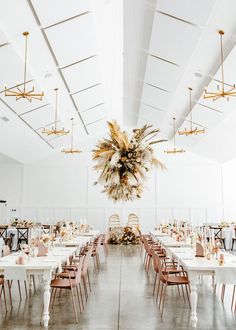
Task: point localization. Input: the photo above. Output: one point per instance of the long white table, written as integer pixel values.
(196, 266)
(43, 266)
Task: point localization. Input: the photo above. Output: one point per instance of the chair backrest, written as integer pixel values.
(114, 221)
(46, 229)
(217, 231)
(79, 270)
(3, 232)
(98, 244)
(133, 220)
(86, 260)
(23, 233)
(160, 266)
(155, 262)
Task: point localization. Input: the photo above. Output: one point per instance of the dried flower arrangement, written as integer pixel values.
(123, 161)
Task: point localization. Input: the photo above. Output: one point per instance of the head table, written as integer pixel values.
(196, 266)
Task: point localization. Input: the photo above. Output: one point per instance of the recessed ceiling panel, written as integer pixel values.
(11, 68)
(196, 12)
(60, 141)
(53, 11)
(162, 74)
(173, 40)
(74, 40)
(94, 114)
(82, 75)
(21, 143)
(155, 97)
(89, 97)
(97, 127)
(205, 116)
(40, 117)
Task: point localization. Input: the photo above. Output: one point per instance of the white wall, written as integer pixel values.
(61, 187)
(229, 190)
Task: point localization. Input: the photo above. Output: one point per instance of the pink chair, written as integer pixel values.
(65, 281)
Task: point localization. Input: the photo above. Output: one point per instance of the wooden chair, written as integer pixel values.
(95, 252)
(46, 229)
(65, 281)
(3, 232)
(22, 236)
(114, 221)
(167, 278)
(218, 235)
(133, 221)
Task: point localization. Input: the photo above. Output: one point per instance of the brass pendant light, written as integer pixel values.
(221, 88)
(20, 91)
(54, 130)
(192, 130)
(174, 150)
(71, 150)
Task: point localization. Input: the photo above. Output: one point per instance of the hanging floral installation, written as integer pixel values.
(123, 161)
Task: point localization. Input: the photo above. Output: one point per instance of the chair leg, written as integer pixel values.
(77, 291)
(85, 288)
(223, 292)
(183, 291)
(26, 293)
(158, 289)
(232, 302)
(162, 286)
(73, 300)
(154, 285)
(19, 288)
(54, 296)
(4, 296)
(9, 289)
(163, 299)
(82, 301)
(89, 280)
(51, 296)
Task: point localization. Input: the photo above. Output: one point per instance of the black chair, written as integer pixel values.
(22, 236)
(218, 235)
(233, 239)
(3, 233)
(46, 229)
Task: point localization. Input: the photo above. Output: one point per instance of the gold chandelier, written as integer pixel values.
(221, 91)
(54, 130)
(192, 130)
(71, 150)
(20, 92)
(174, 150)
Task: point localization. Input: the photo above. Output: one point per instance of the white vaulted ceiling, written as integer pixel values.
(131, 60)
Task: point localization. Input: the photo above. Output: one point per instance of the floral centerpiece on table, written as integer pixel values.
(126, 235)
(129, 236)
(124, 160)
(22, 223)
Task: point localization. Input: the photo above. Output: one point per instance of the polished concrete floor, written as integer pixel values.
(121, 299)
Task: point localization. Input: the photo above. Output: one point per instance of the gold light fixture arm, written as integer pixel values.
(192, 130)
(54, 130)
(221, 91)
(71, 150)
(174, 150)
